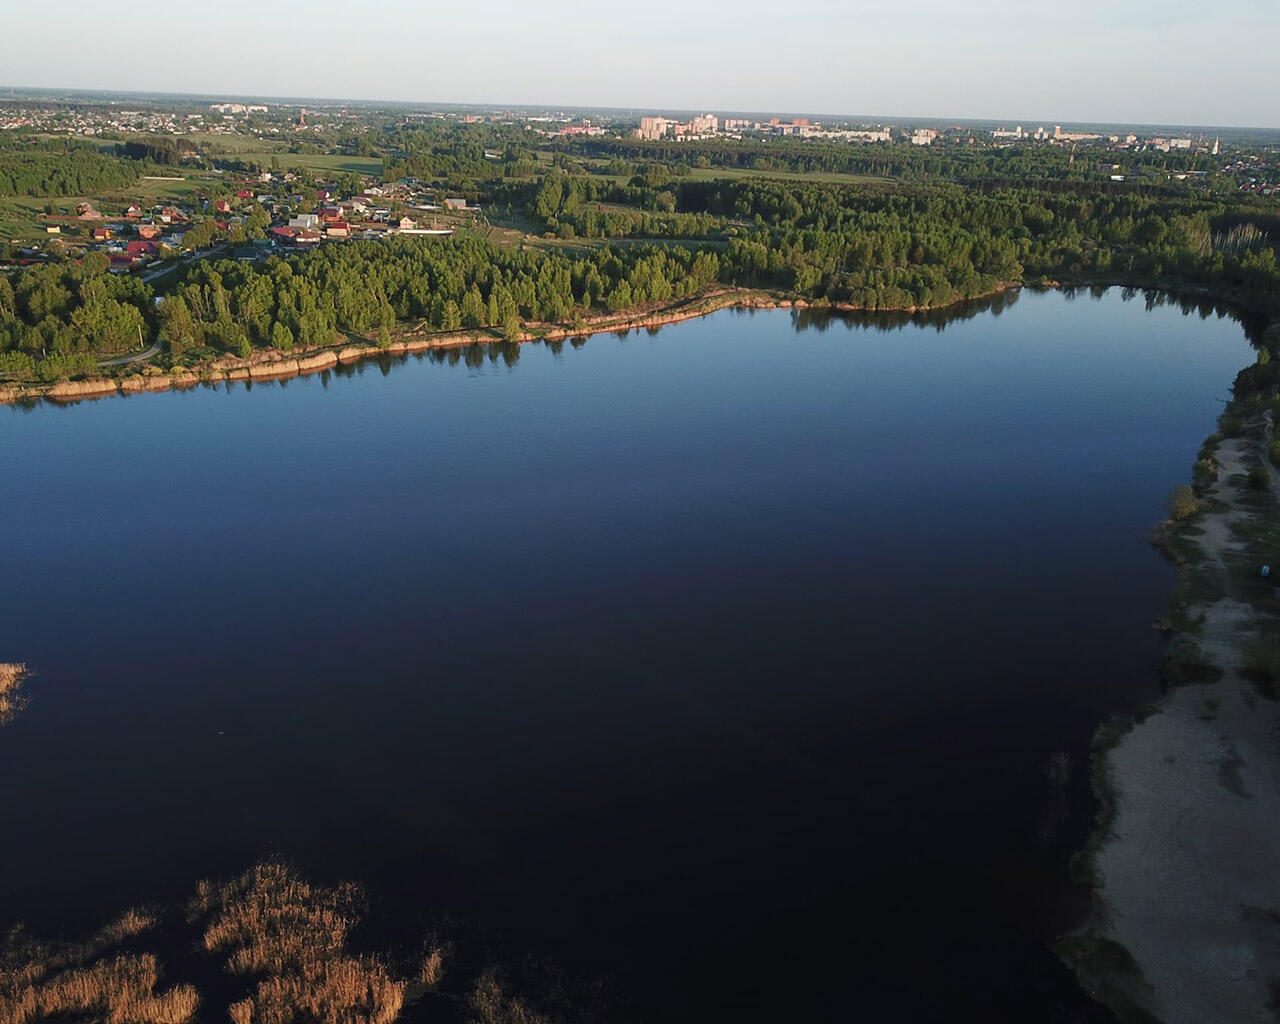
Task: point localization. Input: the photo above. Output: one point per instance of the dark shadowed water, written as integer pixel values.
(747, 666)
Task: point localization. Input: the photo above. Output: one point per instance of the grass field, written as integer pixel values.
(263, 151)
(326, 162)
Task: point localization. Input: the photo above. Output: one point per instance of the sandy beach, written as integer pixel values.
(1188, 879)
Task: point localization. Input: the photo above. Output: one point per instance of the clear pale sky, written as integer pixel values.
(1139, 61)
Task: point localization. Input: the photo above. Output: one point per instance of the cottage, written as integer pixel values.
(133, 212)
(148, 231)
(406, 224)
(305, 237)
(304, 222)
(141, 249)
(101, 234)
(456, 204)
(222, 206)
(339, 229)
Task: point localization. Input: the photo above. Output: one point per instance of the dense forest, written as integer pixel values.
(61, 170)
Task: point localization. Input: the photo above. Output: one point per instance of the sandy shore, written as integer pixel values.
(1189, 879)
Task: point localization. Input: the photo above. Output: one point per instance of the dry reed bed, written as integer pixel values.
(293, 936)
(12, 676)
(39, 982)
(286, 937)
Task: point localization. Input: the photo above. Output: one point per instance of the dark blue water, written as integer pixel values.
(729, 664)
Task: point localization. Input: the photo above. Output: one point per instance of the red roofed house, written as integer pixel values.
(305, 237)
(339, 229)
(222, 206)
(330, 214)
(283, 234)
(101, 234)
(148, 231)
(133, 212)
(141, 248)
(244, 194)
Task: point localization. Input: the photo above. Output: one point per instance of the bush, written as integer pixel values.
(1273, 452)
(1185, 664)
(1204, 474)
(1259, 478)
(1262, 661)
(1181, 503)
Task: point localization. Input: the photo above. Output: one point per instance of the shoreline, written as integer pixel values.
(1186, 919)
(265, 365)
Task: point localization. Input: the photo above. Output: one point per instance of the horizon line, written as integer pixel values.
(483, 105)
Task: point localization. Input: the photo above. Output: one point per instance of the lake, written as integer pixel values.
(743, 670)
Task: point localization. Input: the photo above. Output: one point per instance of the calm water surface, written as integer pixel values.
(747, 666)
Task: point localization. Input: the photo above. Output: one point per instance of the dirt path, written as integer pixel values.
(1191, 874)
(137, 357)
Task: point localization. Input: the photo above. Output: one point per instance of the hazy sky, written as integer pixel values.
(1153, 61)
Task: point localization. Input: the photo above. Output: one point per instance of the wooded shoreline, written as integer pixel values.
(272, 365)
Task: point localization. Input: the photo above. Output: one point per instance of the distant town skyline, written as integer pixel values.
(1135, 61)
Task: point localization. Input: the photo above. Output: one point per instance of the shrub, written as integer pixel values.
(1181, 503)
(1259, 478)
(1262, 661)
(1204, 474)
(1185, 664)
